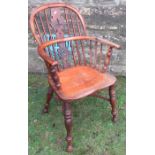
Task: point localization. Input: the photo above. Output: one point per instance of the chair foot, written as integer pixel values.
(45, 110)
(48, 99)
(69, 146)
(68, 125)
(114, 118)
(113, 102)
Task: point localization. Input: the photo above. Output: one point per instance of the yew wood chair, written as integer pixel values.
(77, 64)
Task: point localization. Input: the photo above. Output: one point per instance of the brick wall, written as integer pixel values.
(104, 18)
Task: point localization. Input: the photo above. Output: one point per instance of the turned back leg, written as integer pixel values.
(113, 102)
(68, 125)
(48, 99)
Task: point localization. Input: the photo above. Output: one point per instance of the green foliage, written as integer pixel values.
(93, 131)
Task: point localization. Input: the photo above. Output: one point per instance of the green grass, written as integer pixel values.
(93, 131)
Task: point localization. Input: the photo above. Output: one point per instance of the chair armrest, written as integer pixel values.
(103, 41)
(99, 41)
(44, 55)
(107, 42)
(54, 66)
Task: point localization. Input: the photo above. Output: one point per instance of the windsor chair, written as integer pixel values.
(77, 64)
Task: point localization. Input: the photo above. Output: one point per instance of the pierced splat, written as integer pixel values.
(56, 19)
(57, 23)
(59, 31)
(62, 46)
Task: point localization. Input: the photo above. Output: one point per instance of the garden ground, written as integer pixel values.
(93, 131)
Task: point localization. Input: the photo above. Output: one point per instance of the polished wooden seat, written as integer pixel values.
(77, 64)
(80, 81)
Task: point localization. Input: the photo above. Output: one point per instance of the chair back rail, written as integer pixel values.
(57, 19)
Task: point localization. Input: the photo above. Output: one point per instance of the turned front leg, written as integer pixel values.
(68, 125)
(113, 102)
(48, 99)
